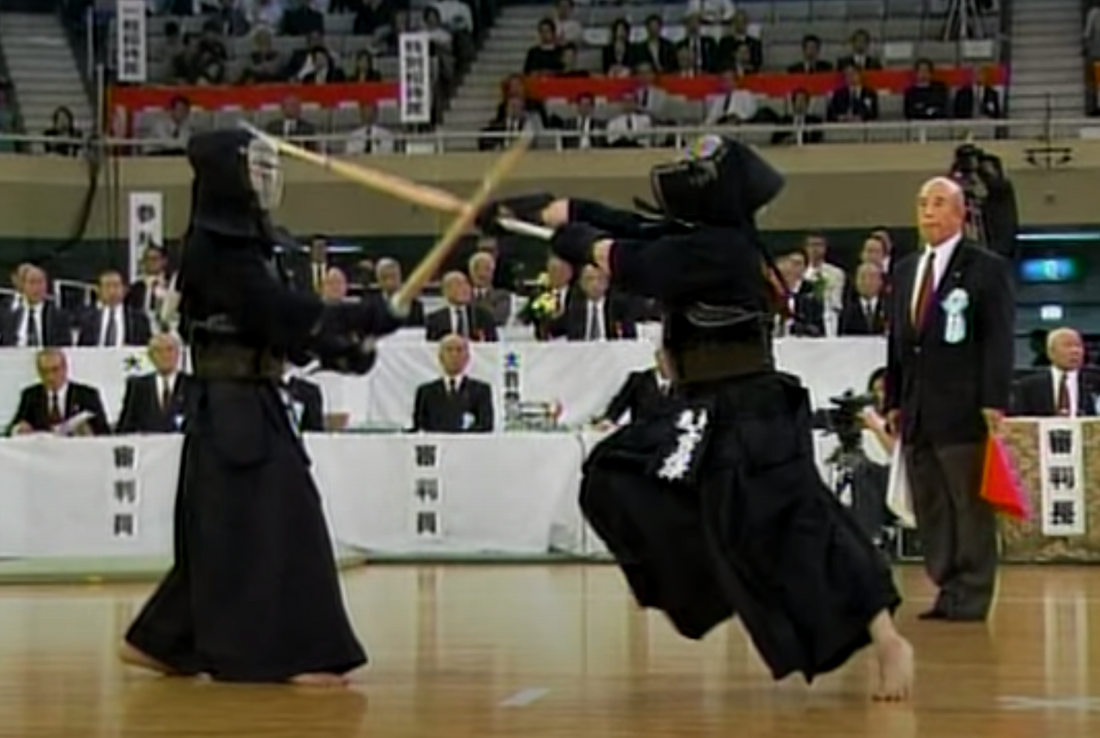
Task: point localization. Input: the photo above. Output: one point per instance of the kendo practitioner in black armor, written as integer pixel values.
(716, 508)
(253, 595)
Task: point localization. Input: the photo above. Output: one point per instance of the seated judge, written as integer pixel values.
(644, 394)
(387, 272)
(460, 315)
(112, 323)
(1065, 389)
(864, 311)
(853, 102)
(156, 402)
(597, 315)
(51, 405)
(454, 403)
(36, 322)
(805, 304)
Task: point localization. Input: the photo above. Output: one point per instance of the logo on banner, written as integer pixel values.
(427, 496)
(1062, 478)
(415, 63)
(131, 41)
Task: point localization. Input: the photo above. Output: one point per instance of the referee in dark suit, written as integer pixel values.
(949, 378)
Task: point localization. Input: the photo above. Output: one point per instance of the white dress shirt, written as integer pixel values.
(740, 104)
(381, 140)
(944, 252)
(627, 126)
(1071, 388)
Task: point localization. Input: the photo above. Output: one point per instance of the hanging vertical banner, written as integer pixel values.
(1061, 464)
(415, 61)
(146, 227)
(131, 42)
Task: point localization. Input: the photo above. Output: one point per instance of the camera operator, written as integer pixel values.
(992, 213)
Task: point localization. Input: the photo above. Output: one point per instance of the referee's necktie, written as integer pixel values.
(1063, 396)
(924, 293)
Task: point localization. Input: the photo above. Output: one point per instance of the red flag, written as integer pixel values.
(1001, 484)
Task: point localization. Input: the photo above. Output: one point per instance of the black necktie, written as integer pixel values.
(1063, 395)
(165, 394)
(593, 322)
(32, 328)
(460, 323)
(54, 410)
(112, 328)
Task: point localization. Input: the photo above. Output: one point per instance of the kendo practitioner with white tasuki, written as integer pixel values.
(717, 508)
(253, 595)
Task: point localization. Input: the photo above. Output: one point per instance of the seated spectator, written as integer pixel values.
(1067, 389)
(569, 66)
(513, 87)
(38, 322)
(182, 61)
(733, 105)
(805, 304)
(650, 97)
(590, 132)
(861, 57)
(559, 289)
(645, 394)
(321, 69)
(369, 137)
(702, 49)
(375, 20)
(827, 277)
(494, 300)
(516, 120)
(171, 132)
(63, 127)
(334, 285)
(545, 56)
(365, 70)
(618, 54)
(737, 38)
(148, 293)
(684, 66)
(978, 99)
(568, 29)
(459, 316)
(156, 402)
(263, 63)
(864, 312)
(454, 403)
(926, 99)
(292, 125)
(742, 62)
(852, 103)
(111, 323)
(301, 19)
(210, 46)
(302, 58)
(596, 315)
(52, 405)
(811, 63)
(387, 274)
(711, 12)
(803, 124)
(874, 251)
(630, 128)
(656, 51)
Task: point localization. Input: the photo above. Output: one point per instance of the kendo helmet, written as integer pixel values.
(718, 181)
(235, 166)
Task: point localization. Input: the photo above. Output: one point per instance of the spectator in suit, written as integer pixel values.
(455, 403)
(644, 394)
(949, 376)
(495, 301)
(733, 105)
(586, 131)
(598, 316)
(702, 49)
(801, 121)
(147, 293)
(387, 272)
(292, 125)
(618, 55)
(545, 56)
(37, 322)
(111, 323)
(977, 99)
(1065, 389)
(307, 403)
(805, 306)
(864, 312)
(737, 38)
(54, 400)
(811, 63)
(156, 402)
(459, 315)
(861, 57)
(656, 50)
(926, 99)
(853, 103)
(569, 64)
(819, 270)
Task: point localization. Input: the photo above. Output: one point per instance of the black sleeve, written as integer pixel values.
(997, 320)
(483, 410)
(99, 423)
(621, 223)
(127, 420)
(620, 403)
(313, 412)
(23, 412)
(675, 267)
(420, 409)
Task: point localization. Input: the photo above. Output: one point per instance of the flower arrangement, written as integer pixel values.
(543, 305)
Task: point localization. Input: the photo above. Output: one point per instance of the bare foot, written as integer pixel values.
(133, 657)
(895, 670)
(319, 680)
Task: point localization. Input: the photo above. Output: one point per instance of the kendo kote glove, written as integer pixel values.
(524, 207)
(573, 243)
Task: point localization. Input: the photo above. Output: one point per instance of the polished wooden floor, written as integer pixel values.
(537, 651)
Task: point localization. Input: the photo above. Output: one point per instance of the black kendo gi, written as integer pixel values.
(717, 508)
(253, 594)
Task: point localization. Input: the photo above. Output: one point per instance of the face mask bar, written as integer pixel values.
(265, 174)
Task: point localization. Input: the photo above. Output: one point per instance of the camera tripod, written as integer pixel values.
(841, 480)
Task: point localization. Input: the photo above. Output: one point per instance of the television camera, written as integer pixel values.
(843, 421)
(991, 210)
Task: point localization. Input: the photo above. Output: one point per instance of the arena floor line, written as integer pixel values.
(559, 650)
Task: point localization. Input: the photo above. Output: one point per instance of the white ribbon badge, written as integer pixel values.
(955, 306)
